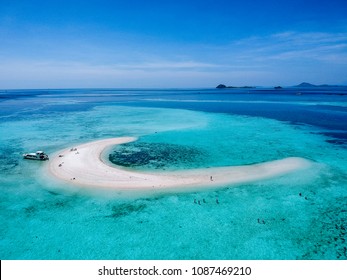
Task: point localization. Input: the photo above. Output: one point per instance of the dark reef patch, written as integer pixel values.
(126, 209)
(9, 159)
(156, 155)
(330, 243)
(30, 210)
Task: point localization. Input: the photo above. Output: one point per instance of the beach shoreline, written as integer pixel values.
(82, 165)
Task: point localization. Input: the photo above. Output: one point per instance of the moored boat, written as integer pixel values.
(39, 155)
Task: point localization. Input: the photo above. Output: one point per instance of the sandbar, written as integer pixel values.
(83, 165)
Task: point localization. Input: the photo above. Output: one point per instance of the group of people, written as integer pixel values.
(204, 201)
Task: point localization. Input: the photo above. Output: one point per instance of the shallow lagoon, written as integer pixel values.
(297, 216)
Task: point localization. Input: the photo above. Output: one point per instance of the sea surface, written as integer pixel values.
(302, 215)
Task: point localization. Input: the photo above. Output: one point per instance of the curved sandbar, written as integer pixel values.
(83, 165)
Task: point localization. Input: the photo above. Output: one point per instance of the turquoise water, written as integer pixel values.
(297, 216)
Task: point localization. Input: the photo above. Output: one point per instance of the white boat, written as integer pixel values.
(39, 155)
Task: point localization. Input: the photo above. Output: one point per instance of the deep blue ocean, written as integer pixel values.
(302, 215)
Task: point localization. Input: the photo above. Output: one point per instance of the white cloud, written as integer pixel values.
(284, 58)
(294, 45)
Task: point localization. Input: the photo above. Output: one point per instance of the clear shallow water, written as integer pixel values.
(298, 216)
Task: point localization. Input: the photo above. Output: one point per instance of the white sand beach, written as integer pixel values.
(83, 165)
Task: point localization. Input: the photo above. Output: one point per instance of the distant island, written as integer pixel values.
(302, 85)
(308, 85)
(224, 86)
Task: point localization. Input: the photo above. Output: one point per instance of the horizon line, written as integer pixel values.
(173, 88)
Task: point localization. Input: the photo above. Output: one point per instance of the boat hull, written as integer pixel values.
(36, 157)
(40, 159)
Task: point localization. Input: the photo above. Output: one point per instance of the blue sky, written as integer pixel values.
(104, 43)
